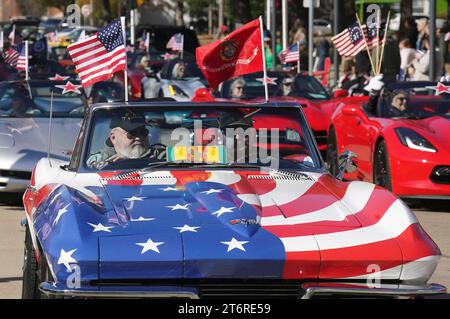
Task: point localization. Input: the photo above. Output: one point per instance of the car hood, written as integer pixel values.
(24, 141)
(436, 129)
(220, 224)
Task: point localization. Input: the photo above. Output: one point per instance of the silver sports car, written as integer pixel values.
(179, 79)
(24, 126)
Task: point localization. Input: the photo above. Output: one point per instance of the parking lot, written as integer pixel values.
(434, 217)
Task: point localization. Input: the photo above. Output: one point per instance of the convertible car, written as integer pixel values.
(216, 201)
(407, 154)
(25, 118)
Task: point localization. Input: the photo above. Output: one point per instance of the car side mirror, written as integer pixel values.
(346, 164)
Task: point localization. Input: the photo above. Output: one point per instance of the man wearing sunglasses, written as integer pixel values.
(128, 139)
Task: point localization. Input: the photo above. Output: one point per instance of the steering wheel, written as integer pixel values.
(159, 150)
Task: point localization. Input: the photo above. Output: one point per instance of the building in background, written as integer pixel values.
(8, 9)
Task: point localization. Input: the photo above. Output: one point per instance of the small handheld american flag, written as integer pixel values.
(176, 42)
(373, 39)
(98, 57)
(350, 41)
(11, 56)
(22, 63)
(290, 54)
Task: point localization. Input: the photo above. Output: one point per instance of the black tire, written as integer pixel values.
(381, 168)
(332, 153)
(30, 280)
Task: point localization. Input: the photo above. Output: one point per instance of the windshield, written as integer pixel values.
(22, 100)
(424, 108)
(226, 137)
(279, 84)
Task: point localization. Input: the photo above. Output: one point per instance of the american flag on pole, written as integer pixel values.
(22, 63)
(372, 38)
(98, 57)
(11, 56)
(350, 41)
(176, 42)
(290, 54)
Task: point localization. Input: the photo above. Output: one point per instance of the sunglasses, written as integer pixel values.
(239, 88)
(402, 99)
(287, 84)
(136, 133)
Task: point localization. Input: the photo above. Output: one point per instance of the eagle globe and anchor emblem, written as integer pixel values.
(228, 49)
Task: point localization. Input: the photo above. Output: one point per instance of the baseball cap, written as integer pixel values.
(129, 122)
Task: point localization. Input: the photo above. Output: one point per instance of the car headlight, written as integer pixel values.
(414, 140)
(292, 135)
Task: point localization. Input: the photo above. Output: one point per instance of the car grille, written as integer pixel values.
(441, 175)
(212, 289)
(15, 174)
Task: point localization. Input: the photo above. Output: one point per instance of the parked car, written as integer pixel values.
(190, 220)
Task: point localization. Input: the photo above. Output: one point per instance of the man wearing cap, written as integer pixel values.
(128, 139)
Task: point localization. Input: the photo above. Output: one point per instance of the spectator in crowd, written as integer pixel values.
(422, 28)
(410, 30)
(349, 72)
(422, 64)
(143, 64)
(407, 56)
(322, 51)
(446, 76)
(294, 34)
(270, 56)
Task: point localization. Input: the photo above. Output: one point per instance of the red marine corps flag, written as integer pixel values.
(238, 53)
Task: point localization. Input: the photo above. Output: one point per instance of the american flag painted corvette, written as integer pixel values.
(221, 224)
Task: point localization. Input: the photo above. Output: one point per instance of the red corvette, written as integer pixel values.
(409, 154)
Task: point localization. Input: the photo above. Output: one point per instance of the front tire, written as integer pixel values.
(30, 280)
(381, 168)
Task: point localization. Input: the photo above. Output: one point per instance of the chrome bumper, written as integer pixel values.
(384, 290)
(57, 290)
(310, 290)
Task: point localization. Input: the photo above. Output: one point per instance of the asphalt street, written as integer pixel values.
(434, 217)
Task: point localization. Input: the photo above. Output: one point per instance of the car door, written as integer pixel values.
(358, 136)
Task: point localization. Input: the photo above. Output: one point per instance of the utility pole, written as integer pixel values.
(268, 14)
(273, 31)
(284, 14)
(310, 36)
(336, 23)
(432, 26)
(220, 4)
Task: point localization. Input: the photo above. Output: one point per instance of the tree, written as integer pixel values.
(406, 11)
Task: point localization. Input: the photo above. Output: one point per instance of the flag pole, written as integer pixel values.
(182, 46)
(266, 89)
(384, 40)
(26, 61)
(125, 72)
(367, 46)
(378, 42)
(298, 62)
(50, 129)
